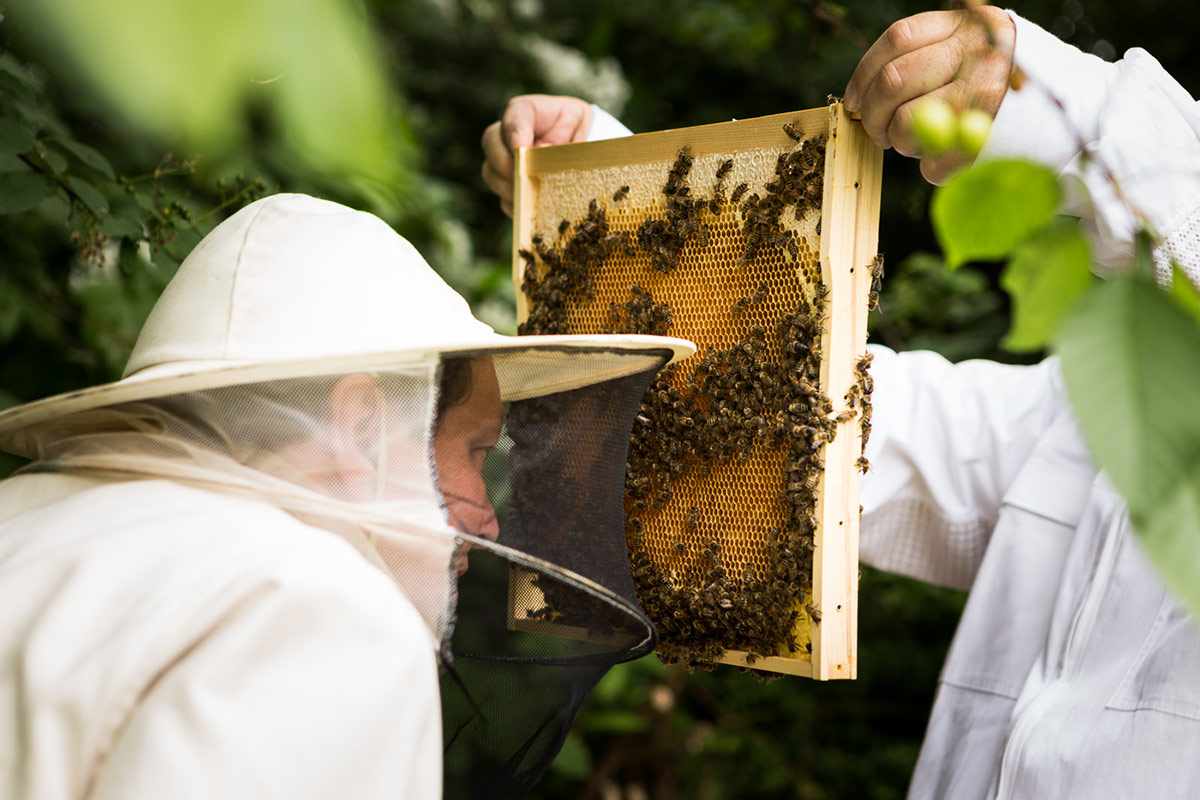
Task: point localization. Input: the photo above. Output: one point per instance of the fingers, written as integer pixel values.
(962, 57)
(536, 119)
(501, 185)
(905, 36)
(902, 80)
(939, 169)
(498, 165)
(529, 120)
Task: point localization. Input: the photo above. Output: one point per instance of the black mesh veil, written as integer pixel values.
(527, 611)
(537, 627)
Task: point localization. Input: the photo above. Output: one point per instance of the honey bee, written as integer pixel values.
(724, 169)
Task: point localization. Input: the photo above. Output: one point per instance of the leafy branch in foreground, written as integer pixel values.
(87, 249)
(1128, 347)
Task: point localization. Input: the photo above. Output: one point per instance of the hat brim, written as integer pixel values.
(525, 366)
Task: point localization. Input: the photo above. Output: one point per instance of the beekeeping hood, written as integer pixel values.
(293, 302)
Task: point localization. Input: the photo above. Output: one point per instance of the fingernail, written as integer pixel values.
(851, 99)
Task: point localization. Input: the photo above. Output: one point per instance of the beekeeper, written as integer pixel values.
(234, 572)
(1074, 672)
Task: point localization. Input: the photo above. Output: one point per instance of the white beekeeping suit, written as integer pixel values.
(1074, 672)
(236, 572)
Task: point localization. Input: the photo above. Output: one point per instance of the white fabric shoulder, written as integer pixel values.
(187, 644)
(1092, 121)
(946, 443)
(605, 126)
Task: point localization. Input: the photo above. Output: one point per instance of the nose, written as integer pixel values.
(476, 517)
(473, 515)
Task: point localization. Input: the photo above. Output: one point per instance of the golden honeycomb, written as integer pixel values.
(704, 551)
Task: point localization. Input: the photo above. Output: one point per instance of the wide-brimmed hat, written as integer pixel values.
(292, 286)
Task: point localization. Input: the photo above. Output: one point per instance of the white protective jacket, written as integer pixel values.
(241, 653)
(1074, 673)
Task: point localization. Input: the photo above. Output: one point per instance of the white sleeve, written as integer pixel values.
(605, 126)
(946, 442)
(1089, 120)
(301, 687)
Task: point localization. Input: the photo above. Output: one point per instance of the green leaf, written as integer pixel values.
(14, 138)
(90, 195)
(986, 211)
(22, 191)
(55, 160)
(320, 78)
(1171, 536)
(1131, 362)
(1046, 275)
(146, 202)
(1143, 254)
(1184, 293)
(88, 156)
(10, 65)
(121, 227)
(9, 162)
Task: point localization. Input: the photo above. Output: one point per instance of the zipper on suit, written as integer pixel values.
(1077, 639)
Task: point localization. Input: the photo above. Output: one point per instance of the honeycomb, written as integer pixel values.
(725, 461)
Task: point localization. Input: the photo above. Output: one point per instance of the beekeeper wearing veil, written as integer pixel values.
(238, 572)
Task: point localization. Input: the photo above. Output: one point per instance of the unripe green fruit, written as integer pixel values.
(973, 128)
(934, 124)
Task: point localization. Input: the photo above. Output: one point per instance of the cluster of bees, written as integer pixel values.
(662, 239)
(859, 397)
(639, 314)
(797, 184)
(876, 282)
(733, 401)
(562, 274)
(762, 391)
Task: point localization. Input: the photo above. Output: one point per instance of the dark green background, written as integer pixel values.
(648, 731)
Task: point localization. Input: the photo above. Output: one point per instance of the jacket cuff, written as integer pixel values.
(605, 126)
(1058, 107)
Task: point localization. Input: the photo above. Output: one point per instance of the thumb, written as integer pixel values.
(519, 135)
(518, 122)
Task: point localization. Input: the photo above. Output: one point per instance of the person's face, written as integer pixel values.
(465, 435)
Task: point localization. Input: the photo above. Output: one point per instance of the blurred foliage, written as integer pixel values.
(96, 213)
(197, 73)
(657, 732)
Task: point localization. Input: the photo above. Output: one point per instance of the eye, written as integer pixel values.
(479, 455)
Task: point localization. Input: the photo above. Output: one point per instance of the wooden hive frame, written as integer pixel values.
(847, 229)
